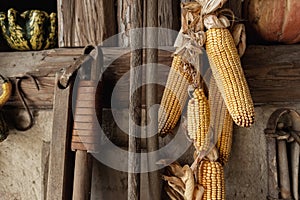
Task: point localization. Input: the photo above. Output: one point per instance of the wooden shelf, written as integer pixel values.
(272, 72)
(42, 65)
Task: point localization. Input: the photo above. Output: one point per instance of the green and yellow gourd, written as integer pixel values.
(6, 93)
(30, 30)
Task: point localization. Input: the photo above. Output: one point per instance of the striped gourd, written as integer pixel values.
(31, 30)
(211, 177)
(198, 120)
(221, 123)
(227, 70)
(174, 96)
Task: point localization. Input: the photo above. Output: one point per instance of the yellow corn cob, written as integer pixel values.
(211, 177)
(6, 91)
(225, 140)
(229, 75)
(221, 122)
(174, 96)
(198, 120)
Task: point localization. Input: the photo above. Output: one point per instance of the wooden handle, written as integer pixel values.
(82, 176)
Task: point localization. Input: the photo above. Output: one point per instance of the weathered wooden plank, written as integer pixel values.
(272, 72)
(168, 18)
(43, 65)
(45, 168)
(135, 78)
(83, 22)
(17, 63)
(82, 175)
(154, 179)
(60, 178)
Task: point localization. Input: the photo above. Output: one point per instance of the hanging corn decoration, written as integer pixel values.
(211, 177)
(174, 96)
(225, 139)
(198, 120)
(229, 75)
(221, 122)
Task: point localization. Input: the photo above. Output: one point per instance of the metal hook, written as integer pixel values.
(21, 95)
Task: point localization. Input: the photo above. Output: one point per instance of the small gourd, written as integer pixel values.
(30, 30)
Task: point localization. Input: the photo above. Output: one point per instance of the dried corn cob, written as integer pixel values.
(198, 120)
(221, 122)
(225, 140)
(229, 75)
(211, 177)
(174, 97)
(6, 90)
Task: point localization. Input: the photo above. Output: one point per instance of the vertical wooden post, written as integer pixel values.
(83, 22)
(169, 18)
(151, 94)
(123, 23)
(136, 59)
(61, 158)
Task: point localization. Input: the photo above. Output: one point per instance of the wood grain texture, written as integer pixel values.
(82, 176)
(272, 72)
(154, 185)
(123, 17)
(60, 175)
(42, 65)
(168, 18)
(83, 22)
(135, 79)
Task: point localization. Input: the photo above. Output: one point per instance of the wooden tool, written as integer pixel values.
(86, 129)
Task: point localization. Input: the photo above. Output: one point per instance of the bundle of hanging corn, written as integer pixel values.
(217, 102)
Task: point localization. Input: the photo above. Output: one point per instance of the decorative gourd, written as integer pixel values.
(275, 20)
(31, 30)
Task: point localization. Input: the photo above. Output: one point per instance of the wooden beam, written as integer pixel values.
(272, 72)
(43, 65)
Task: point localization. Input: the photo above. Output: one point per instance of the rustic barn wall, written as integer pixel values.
(23, 156)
